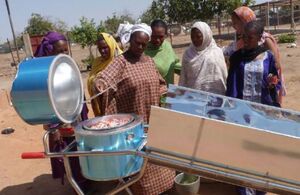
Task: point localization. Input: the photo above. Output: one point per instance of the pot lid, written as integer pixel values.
(65, 88)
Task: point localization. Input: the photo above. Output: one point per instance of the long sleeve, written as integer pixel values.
(109, 78)
(273, 70)
(162, 84)
(111, 75)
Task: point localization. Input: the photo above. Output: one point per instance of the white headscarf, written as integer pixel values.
(206, 33)
(204, 67)
(125, 35)
(124, 32)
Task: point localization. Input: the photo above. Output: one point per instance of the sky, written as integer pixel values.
(69, 11)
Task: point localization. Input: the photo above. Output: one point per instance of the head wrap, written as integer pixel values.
(46, 46)
(124, 32)
(125, 37)
(245, 14)
(206, 33)
(142, 28)
(205, 67)
(100, 64)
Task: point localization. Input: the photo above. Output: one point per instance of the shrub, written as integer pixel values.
(287, 38)
(88, 62)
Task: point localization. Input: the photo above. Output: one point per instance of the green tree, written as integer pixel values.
(181, 11)
(111, 24)
(38, 25)
(60, 26)
(19, 40)
(155, 11)
(178, 11)
(85, 34)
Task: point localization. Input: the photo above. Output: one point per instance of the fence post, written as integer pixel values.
(227, 24)
(69, 43)
(27, 44)
(277, 17)
(292, 16)
(12, 55)
(274, 24)
(12, 29)
(219, 27)
(267, 16)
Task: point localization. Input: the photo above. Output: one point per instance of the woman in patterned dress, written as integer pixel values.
(136, 85)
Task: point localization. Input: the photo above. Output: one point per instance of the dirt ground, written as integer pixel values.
(26, 177)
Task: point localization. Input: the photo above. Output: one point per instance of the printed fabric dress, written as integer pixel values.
(135, 86)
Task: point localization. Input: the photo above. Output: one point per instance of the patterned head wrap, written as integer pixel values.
(245, 14)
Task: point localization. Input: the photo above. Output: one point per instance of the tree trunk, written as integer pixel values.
(219, 27)
(90, 50)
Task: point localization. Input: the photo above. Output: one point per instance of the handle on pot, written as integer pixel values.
(66, 131)
(33, 155)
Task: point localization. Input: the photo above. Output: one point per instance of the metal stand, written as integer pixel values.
(183, 163)
(66, 155)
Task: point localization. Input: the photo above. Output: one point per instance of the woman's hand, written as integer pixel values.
(272, 80)
(98, 86)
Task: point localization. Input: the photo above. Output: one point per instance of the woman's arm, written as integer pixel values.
(269, 44)
(176, 63)
(162, 84)
(110, 76)
(273, 76)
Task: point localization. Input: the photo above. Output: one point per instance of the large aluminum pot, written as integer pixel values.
(128, 136)
(48, 90)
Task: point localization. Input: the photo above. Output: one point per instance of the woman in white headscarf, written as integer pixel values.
(123, 34)
(136, 85)
(203, 63)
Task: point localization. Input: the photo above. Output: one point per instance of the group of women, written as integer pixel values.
(138, 77)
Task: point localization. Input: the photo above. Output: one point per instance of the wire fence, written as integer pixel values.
(281, 16)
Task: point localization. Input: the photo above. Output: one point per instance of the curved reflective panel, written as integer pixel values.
(66, 91)
(233, 110)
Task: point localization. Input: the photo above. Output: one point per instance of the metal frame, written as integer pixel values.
(183, 163)
(66, 155)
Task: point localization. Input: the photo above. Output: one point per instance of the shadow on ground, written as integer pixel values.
(44, 184)
(41, 185)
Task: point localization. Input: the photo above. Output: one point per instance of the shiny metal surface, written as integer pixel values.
(104, 168)
(258, 158)
(263, 117)
(256, 144)
(48, 90)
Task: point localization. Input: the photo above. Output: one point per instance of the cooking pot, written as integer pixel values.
(48, 90)
(128, 136)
